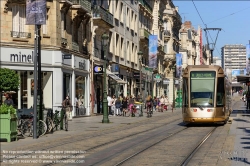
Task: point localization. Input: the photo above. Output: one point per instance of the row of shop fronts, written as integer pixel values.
(65, 74)
(62, 74)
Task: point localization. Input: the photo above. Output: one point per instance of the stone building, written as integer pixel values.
(65, 46)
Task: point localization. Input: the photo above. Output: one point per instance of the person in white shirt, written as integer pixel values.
(109, 104)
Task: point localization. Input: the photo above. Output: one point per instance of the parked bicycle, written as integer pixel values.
(27, 127)
(55, 120)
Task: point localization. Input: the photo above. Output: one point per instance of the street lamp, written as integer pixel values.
(140, 54)
(105, 39)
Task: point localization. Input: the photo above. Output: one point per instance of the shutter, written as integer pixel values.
(62, 25)
(15, 17)
(21, 19)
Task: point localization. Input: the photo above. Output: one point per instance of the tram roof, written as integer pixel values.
(243, 78)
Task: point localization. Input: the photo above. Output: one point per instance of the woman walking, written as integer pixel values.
(124, 106)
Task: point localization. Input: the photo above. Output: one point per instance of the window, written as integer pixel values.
(165, 48)
(18, 18)
(63, 24)
(202, 88)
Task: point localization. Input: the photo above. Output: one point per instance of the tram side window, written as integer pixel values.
(220, 92)
(185, 92)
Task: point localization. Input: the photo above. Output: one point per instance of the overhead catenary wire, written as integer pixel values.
(205, 26)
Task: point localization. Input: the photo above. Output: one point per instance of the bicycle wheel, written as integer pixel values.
(49, 123)
(26, 128)
(66, 121)
(42, 128)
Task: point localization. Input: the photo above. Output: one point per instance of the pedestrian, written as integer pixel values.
(109, 104)
(149, 103)
(155, 103)
(67, 107)
(166, 103)
(162, 103)
(113, 100)
(118, 105)
(8, 100)
(124, 106)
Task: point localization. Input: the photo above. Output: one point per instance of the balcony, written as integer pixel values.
(167, 35)
(75, 46)
(102, 17)
(144, 34)
(84, 5)
(64, 41)
(144, 4)
(20, 34)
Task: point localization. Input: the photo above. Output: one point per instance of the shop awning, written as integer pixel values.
(243, 78)
(115, 77)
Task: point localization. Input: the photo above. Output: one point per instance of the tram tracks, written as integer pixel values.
(65, 143)
(196, 148)
(184, 162)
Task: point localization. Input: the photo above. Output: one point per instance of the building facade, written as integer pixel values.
(64, 53)
(190, 44)
(172, 24)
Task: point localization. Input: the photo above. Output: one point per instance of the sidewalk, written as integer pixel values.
(240, 128)
(84, 125)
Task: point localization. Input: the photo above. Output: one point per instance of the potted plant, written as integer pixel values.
(8, 122)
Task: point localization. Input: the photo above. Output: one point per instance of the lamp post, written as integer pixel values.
(105, 119)
(140, 54)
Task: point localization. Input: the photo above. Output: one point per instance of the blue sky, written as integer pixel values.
(235, 27)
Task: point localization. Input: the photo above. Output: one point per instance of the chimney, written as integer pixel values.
(187, 24)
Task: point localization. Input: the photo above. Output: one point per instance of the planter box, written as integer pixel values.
(8, 126)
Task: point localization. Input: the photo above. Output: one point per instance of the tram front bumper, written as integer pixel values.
(204, 120)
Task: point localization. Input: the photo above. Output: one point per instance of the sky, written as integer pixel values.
(233, 16)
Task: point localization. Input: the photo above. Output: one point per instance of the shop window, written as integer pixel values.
(80, 98)
(23, 98)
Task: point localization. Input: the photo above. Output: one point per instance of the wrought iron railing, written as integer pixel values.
(86, 4)
(146, 5)
(144, 33)
(100, 12)
(20, 34)
(64, 41)
(75, 46)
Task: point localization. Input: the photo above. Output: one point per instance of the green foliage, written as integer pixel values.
(5, 108)
(9, 80)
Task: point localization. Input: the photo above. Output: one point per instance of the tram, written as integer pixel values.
(206, 96)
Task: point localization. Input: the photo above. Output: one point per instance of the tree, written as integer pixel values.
(9, 80)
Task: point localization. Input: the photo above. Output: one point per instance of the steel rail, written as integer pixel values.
(113, 141)
(189, 157)
(135, 154)
(116, 130)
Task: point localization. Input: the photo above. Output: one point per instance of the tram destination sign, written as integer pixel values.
(202, 74)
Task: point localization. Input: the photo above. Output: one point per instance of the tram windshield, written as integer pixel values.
(202, 88)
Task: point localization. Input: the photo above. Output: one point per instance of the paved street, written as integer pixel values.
(159, 140)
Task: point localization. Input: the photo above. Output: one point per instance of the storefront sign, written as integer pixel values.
(98, 69)
(19, 55)
(115, 69)
(22, 57)
(166, 81)
(157, 77)
(80, 63)
(67, 56)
